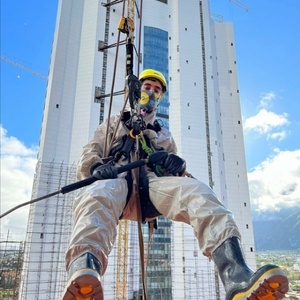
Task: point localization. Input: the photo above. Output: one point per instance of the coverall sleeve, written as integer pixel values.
(93, 151)
(166, 140)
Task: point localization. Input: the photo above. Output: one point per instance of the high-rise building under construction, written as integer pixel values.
(202, 109)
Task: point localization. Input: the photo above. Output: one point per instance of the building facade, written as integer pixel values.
(201, 108)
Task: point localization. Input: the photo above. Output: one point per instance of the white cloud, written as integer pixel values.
(17, 171)
(275, 183)
(277, 135)
(266, 99)
(265, 122)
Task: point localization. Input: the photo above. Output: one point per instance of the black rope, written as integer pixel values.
(29, 202)
(152, 160)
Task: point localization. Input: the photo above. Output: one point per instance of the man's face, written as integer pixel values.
(151, 94)
(152, 85)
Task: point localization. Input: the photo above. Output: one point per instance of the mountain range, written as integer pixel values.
(279, 230)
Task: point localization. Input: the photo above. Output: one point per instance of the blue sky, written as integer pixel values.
(267, 41)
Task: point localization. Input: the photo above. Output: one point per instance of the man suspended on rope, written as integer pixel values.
(98, 207)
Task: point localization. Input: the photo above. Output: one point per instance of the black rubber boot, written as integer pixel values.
(84, 279)
(240, 282)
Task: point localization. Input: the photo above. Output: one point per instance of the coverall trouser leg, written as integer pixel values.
(98, 207)
(191, 201)
(96, 213)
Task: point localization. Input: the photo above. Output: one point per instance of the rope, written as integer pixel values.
(145, 147)
(135, 157)
(136, 177)
(140, 36)
(105, 152)
(135, 174)
(29, 202)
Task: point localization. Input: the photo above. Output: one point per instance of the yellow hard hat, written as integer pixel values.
(150, 73)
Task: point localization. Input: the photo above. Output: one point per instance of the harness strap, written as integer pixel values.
(124, 149)
(135, 174)
(138, 184)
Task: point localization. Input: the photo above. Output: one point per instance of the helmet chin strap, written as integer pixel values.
(146, 112)
(148, 116)
(143, 112)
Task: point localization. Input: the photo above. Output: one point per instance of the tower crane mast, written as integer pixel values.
(14, 63)
(244, 7)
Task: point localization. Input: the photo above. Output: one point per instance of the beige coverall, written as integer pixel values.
(98, 207)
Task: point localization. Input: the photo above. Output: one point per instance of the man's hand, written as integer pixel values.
(174, 165)
(105, 172)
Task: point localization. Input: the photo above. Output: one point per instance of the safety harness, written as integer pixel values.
(123, 150)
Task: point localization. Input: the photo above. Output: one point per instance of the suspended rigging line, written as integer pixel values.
(105, 152)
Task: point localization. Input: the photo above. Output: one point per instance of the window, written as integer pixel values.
(156, 56)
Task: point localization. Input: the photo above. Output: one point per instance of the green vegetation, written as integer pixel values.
(289, 261)
(10, 269)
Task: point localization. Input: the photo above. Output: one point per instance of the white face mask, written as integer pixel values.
(149, 100)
